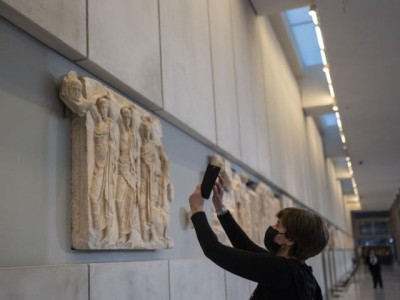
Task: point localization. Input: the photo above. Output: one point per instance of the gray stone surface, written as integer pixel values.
(242, 26)
(186, 66)
(226, 106)
(129, 281)
(44, 283)
(260, 100)
(59, 24)
(196, 279)
(124, 47)
(237, 288)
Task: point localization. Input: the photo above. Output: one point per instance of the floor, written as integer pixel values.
(361, 288)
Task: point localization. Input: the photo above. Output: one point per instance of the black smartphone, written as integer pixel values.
(209, 179)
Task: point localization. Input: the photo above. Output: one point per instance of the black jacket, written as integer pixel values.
(277, 277)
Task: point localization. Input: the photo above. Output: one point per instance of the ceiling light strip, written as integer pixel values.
(313, 13)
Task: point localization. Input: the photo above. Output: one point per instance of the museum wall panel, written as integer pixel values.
(276, 81)
(295, 145)
(45, 283)
(124, 47)
(129, 280)
(59, 24)
(151, 280)
(186, 66)
(226, 106)
(316, 263)
(238, 288)
(287, 132)
(273, 113)
(336, 205)
(332, 189)
(318, 182)
(294, 138)
(302, 159)
(260, 107)
(242, 26)
(196, 279)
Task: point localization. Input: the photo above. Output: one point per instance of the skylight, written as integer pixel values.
(329, 120)
(303, 32)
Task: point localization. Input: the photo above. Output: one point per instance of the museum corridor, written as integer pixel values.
(360, 286)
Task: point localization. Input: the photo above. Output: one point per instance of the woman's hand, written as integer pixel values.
(196, 201)
(218, 193)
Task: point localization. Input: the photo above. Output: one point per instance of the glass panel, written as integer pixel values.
(306, 41)
(365, 228)
(328, 120)
(381, 227)
(298, 15)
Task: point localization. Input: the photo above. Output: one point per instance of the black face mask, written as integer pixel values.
(269, 242)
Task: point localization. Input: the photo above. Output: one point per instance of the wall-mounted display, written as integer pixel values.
(119, 171)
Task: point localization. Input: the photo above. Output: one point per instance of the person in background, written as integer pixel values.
(375, 269)
(280, 271)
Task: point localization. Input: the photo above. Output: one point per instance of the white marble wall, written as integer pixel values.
(186, 60)
(213, 68)
(68, 282)
(58, 23)
(124, 47)
(196, 279)
(181, 279)
(226, 106)
(238, 288)
(317, 169)
(242, 25)
(261, 107)
(131, 280)
(316, 263)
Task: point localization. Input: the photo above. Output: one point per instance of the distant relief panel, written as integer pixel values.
(120, 173)
(253, 205)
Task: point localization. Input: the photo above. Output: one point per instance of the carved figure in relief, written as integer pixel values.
(239, 192)
(162, 200)
(127, 196)
(148, 187)
(71, 92)
(266, 209)
(226, 171)
(102, 186)
(102, 190)
(154, 186)
(230, 203)
(245, 204)
(123, 195)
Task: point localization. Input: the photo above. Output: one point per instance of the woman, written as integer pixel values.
(280, 272)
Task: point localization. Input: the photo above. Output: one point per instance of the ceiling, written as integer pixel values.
(362, 46)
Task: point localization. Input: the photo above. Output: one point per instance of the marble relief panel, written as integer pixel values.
(253, 205)
(120, 173)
